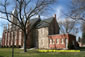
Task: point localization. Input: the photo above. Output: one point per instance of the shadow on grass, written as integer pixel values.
(1, 56)
(82, 48)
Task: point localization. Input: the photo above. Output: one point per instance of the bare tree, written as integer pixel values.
(83, 27)
(76, 10)
(25, 10)
(83, 32)
(68, 26)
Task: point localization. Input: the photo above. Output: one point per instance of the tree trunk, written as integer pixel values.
(25, 38)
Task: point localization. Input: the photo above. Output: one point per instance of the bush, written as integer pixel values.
(77, 45)
(0, 46)
(19, 46)
(70, 46)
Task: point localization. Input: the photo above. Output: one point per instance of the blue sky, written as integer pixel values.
(61, 5)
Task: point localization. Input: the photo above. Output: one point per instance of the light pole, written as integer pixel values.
(13, 41)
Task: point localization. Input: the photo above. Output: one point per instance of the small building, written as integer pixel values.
(61, 41)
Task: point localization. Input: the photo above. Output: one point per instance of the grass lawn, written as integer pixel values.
(6, 52)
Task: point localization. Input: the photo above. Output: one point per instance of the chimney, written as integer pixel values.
(39, 16)
(54, 16)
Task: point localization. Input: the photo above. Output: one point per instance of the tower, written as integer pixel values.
(13, 18)
(5, 27)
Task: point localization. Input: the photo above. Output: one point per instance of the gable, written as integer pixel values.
(50, 22)
(53, 27)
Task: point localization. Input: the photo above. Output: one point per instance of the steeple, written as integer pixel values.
(14, 11)
(9, 26)
(5, 27)
(13, 19)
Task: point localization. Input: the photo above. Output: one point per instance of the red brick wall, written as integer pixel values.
(28, 42)
(7, 39)
(3, 39)
(57, 45)
(64, 36)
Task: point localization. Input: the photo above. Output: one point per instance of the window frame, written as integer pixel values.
(62, 41)
(57, 41)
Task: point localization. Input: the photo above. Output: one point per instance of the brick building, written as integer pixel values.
(61, 41)
(42, 31)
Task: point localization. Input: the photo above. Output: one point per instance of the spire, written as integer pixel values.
(14, 11)
(54, 16)
(5, 27)
(13, 19)
(9, 26)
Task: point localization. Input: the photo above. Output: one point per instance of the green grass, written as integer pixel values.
(7, 52)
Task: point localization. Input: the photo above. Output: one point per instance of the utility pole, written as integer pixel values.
(13, 29)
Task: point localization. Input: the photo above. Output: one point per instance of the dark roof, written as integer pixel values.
(38, 23)
(34, 21)
(44, 23)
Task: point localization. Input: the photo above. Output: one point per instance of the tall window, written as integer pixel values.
(62, 41)
(50, 41)
(57, 41)
(53, 41)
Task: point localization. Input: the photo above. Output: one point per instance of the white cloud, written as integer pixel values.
(58, 11)
(59, 14)
(42, 17)
(0, 36)
(3, 21)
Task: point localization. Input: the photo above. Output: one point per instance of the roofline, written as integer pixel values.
(42, 27)
(61, 34)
